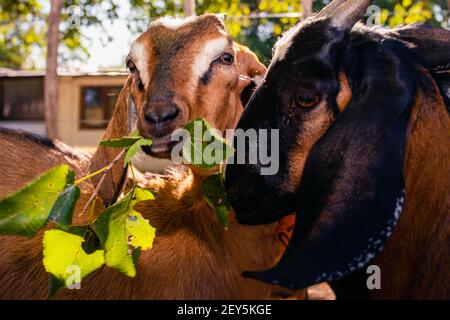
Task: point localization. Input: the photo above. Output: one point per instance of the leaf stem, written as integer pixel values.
(132, 174)
(93, 174)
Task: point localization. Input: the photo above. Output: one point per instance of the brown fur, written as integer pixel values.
(193, 257)
(172, 53)
(415, 261)
(345, 94)
(28, 159)
(316, 123)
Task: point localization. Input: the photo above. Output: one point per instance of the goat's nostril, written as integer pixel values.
(151, 116)
(162, 114)
(169, 113)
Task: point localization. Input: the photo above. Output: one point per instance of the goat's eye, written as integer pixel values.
(140, 85)
(307, 99)
(131, 66)
(226, 58)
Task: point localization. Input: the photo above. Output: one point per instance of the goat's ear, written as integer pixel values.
(351, 192)
(222, 17)
(430, 43)
(118, 126)
(251, 71)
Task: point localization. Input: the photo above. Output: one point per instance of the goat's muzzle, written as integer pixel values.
(160, 118)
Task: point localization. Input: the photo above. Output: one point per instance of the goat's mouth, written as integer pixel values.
(161, 147)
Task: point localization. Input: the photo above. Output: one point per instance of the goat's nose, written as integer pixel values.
(161, 114)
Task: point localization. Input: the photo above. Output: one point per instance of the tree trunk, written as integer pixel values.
(307, 8)
(51, 75)
(448, 5)
(189, 8)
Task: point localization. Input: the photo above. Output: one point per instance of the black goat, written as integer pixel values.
(364, 147)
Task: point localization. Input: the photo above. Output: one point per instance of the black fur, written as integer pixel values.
(431, 44)
(206, 78)
(247, 93)
(352, 182)
(353, 175)
(246, 195)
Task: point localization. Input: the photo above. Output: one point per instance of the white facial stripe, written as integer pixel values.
(140, 58)
(284, 43)
(173, 23)
(210, 51)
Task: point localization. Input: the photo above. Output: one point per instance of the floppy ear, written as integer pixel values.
(251, 71)
(351, 191)
(431, 44)
(120, 125)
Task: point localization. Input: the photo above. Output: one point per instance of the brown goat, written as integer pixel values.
(423, 227)
(193, 257)
(30, 155)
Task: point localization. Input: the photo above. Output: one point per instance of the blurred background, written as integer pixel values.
(62, 62)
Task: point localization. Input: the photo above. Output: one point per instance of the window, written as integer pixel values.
(97, 106)
(22, 99)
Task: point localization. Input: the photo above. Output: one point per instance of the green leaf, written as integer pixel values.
(111, 231)
(140, 232)
(121, 230)
(62, 210)
(222, 213)
(135, 133)
(205, 148)
(124, 142)
(70, 179)
(135, 148)
(66, 261)
(54, 284)
(26, 211)
(214, 193)
(91, 242)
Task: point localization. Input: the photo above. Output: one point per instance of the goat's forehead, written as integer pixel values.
(168, 36)
(192, 46)
(172, 22)
(311, 33)
(285, 43)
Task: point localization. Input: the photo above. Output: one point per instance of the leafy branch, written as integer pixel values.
(119, 233)
(102, 179)
(71, 252)
(209, 150)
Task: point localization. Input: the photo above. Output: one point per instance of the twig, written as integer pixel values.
(132, 173)
(93, 174)
(152, 175)
(102, 179)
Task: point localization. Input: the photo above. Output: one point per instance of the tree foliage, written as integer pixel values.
(23, 28)
(23, 23)
(260, 34)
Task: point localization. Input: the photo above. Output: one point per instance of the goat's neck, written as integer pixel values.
(413, 262)
(180, 204)
(202, 174)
